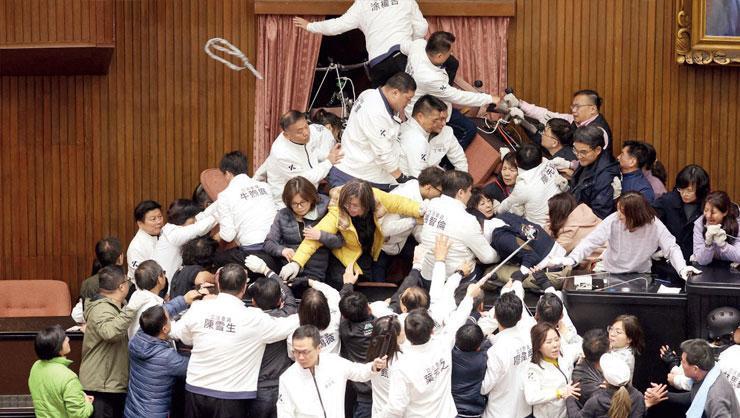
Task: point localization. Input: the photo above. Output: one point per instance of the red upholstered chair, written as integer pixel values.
(34, 298)
(483, 159)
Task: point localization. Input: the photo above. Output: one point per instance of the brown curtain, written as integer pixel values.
(480, 47)
(286, 56)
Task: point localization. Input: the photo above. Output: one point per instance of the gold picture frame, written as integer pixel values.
(694, 45)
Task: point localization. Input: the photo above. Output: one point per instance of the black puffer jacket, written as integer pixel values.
(592, 184)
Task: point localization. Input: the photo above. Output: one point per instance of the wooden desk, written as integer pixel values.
(16, 349)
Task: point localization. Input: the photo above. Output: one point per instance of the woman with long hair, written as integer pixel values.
(387, 331)
(626, 339)
(618, 399)
(570, 222)
(715, 232)
(632, 234)
(354, 215)
(548, 375)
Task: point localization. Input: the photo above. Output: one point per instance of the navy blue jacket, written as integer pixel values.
(505, 241)
(670, 208)
(636, 182)
(154, 366)
(592, 185)
(468, 371)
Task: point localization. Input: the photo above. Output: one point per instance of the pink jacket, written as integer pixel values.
(579, 224)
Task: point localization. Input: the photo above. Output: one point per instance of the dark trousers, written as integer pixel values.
(265, 406)
(337, 177)
(108, 405)
(363, 409)
(463, 127)
(238, 254)
(335, 272)
(201, 406)
(385, 261)
(382, 71)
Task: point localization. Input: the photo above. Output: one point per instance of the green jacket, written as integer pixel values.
(56, 391)
(104, 366)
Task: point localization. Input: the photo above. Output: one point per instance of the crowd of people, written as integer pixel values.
(250, 298)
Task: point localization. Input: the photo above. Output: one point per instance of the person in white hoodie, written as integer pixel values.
(180, 228)
(149, 219)
(245, 211)
(370, 140)
(221, 380)
(424, 64)
(314, 385)
(420, 383)
(447, 215)
(426, 140)
(385, 24)
(538, 181)
(297, 152)
(548, 375)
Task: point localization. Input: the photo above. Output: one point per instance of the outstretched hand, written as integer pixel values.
(300, 22)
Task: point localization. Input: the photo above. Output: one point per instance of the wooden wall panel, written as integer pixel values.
(624, 50)
(78, 152)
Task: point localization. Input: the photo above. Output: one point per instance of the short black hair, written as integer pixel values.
(143, 207)
(234, 162)
(638, 151)
(590, 135)
(147, 274)
(199, 251)
(528, 157)
(440, 42)
(415, 297)
(595, 344)
(232, 278)
(107, 251)
(455, 180)
(696, 175)
(432, 176)
(181, 210)
(592, 95)
(418, 326)
(402, 82)
(49, 342)
(110, 277)
(290, 117)
(428, 103)
(469, 337)
(508, 309)
(314, 309)
(200, 197)
(698, 353)
(562, 129)
(152, 320)
(549, 309)
(308, 331)
(265, 293)
(354, 307)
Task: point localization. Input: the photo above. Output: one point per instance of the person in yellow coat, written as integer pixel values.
(355, 216)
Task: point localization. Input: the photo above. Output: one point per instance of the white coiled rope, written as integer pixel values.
(222, 45)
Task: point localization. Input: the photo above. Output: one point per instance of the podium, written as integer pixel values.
(717, 286)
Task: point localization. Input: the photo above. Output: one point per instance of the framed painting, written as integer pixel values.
(708, 32)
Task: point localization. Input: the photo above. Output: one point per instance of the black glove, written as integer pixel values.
(298, 282)
(518, 276)
(404, 178)
(541, 279)
(671, 359)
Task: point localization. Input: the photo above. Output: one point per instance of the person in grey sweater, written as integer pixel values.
(711, 396)
(304, 208)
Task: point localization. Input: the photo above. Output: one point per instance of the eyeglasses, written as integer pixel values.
(616, 330)
(581, 153)
(302, 353)
(576, 106)
(300, 205)
(686, 191)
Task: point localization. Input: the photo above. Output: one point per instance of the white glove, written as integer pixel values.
(511, 100)
(688, 270)
(617, 186)
(562, 183)
(503, 151)
(289, 271)
(516, 114)
(548, 115)
(720, 238)
(712, 230)
(657, 255)
(560, 163)
(256, 265)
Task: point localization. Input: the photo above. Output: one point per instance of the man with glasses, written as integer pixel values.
(104, 367)
(594, 181)
(398, 229)
(584, 111)
(314, 385)
(296, 152)
(426, 139)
